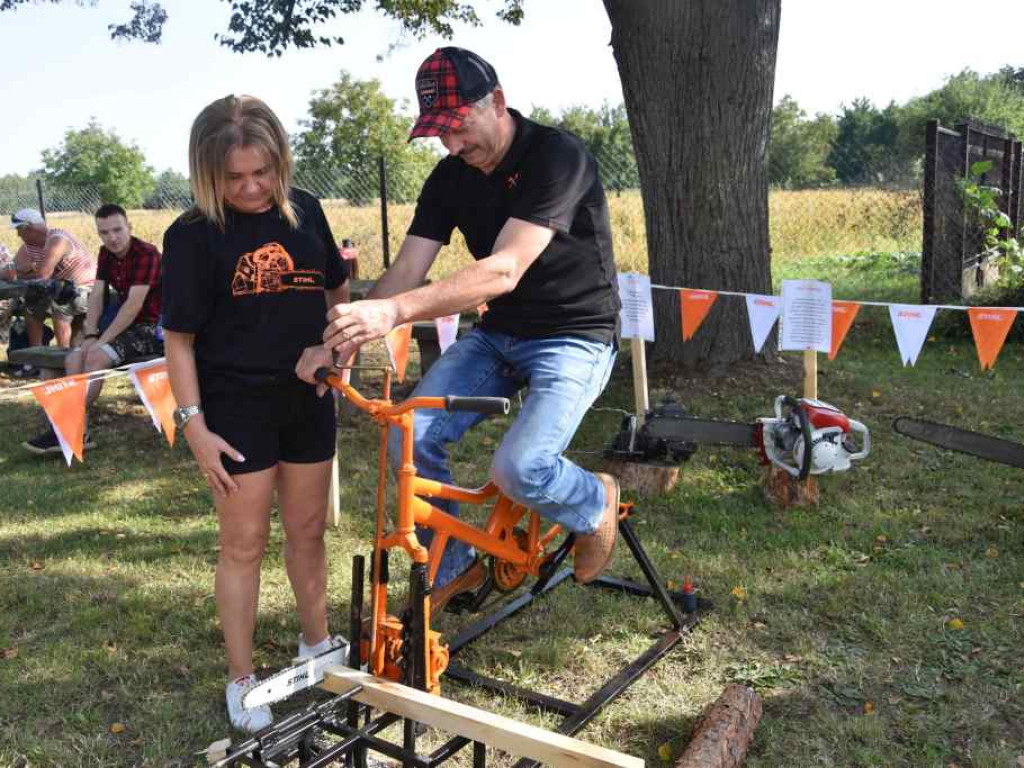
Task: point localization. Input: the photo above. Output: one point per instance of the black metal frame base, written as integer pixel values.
(303, 737)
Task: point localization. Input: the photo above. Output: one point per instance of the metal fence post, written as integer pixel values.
(39, 195)
(385, 245)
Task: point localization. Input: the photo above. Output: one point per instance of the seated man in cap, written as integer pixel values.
(528, 200)
(46, 253)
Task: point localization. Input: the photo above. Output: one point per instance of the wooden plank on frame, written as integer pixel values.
(494, 730)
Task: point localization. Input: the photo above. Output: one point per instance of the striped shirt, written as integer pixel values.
(76, 265)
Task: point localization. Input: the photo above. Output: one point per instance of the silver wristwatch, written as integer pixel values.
(183, 415)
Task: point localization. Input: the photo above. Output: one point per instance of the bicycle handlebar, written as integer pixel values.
(488, 405)
(484, 405)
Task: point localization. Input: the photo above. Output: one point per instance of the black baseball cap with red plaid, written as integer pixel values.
(447, 84)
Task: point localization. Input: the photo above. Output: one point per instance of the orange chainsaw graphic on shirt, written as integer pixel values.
(269, 269)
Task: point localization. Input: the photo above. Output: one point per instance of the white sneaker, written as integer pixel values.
(329, 643)
(248, 720)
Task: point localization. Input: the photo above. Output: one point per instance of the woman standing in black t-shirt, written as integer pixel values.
(246, 274)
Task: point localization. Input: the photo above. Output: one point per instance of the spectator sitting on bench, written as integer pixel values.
(132, 268)
(51, 253)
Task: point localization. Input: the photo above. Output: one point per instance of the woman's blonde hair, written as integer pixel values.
(236, 121)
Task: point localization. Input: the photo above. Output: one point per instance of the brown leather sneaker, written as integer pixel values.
(468, 580)
(594, 551)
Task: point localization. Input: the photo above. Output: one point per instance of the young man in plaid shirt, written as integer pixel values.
(132, 268)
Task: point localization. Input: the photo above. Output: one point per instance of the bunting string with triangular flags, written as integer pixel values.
(63, 400)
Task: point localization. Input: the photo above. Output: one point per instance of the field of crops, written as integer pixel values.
(803, 224)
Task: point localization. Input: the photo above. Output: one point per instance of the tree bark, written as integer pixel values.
(725, 731)
(698, 79)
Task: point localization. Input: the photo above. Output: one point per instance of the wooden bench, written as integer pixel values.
(50, 360)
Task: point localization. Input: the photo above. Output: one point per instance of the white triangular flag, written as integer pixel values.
(911, 323)
(447, 330)
(762, 311)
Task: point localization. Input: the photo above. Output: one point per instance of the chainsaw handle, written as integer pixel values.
(856, 426)
(805, 428)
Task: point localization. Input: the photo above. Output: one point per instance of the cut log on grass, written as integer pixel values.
(645, 479)
(725, 730)
(783, 489)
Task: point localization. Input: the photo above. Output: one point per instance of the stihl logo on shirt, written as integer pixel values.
(428, 91)
(270, 269)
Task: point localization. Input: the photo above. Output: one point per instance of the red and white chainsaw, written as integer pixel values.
(805, 437)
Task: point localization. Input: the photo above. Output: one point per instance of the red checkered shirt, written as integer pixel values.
(139, 266)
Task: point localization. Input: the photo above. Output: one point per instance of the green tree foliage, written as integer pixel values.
(1013, 77)
(865, 147)
(95, 158)
(273, 26)
(350, 126)
(799, 149)
(605, 132)
(996, 99)
(171, 190)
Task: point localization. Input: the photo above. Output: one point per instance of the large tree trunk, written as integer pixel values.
(697, 76)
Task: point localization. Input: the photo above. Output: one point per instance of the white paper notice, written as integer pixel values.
(763, 311)
(637, 313)
(447, 330)
(911, 323)
(806, 315)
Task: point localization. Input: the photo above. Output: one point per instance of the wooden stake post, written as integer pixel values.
(781, 487)
(645, 479)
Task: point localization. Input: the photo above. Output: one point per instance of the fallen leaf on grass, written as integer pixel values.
(36, 565)
(991, 552)
(9, 653)
(881, 538)
(739, 593)
(869, 708)
(117, 728)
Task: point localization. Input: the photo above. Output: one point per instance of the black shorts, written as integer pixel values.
(268, 424)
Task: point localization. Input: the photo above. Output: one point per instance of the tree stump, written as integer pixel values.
(725, 730)
(783, 489)
(645, 479)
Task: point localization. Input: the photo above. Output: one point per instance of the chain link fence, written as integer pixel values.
(880, 212)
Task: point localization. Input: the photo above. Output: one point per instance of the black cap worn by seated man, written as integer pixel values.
(447, 85)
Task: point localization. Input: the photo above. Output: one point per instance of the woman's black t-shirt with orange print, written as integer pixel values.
(252, 294)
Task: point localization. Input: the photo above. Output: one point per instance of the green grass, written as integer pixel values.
(106, 577)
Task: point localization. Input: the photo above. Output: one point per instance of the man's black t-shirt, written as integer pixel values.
(547, 177)
(253, 294)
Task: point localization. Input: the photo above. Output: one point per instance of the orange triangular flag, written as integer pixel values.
(843, 315)
(154, 388)
(990, 327)
(694, 306)
(63, 400)
(397, 341)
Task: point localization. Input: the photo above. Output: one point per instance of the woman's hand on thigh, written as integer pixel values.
(207, 448)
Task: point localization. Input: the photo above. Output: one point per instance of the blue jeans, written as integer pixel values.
(565, 374)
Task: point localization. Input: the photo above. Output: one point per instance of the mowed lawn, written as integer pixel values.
(883, 628)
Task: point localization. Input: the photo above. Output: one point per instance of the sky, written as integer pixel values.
(60, 69)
